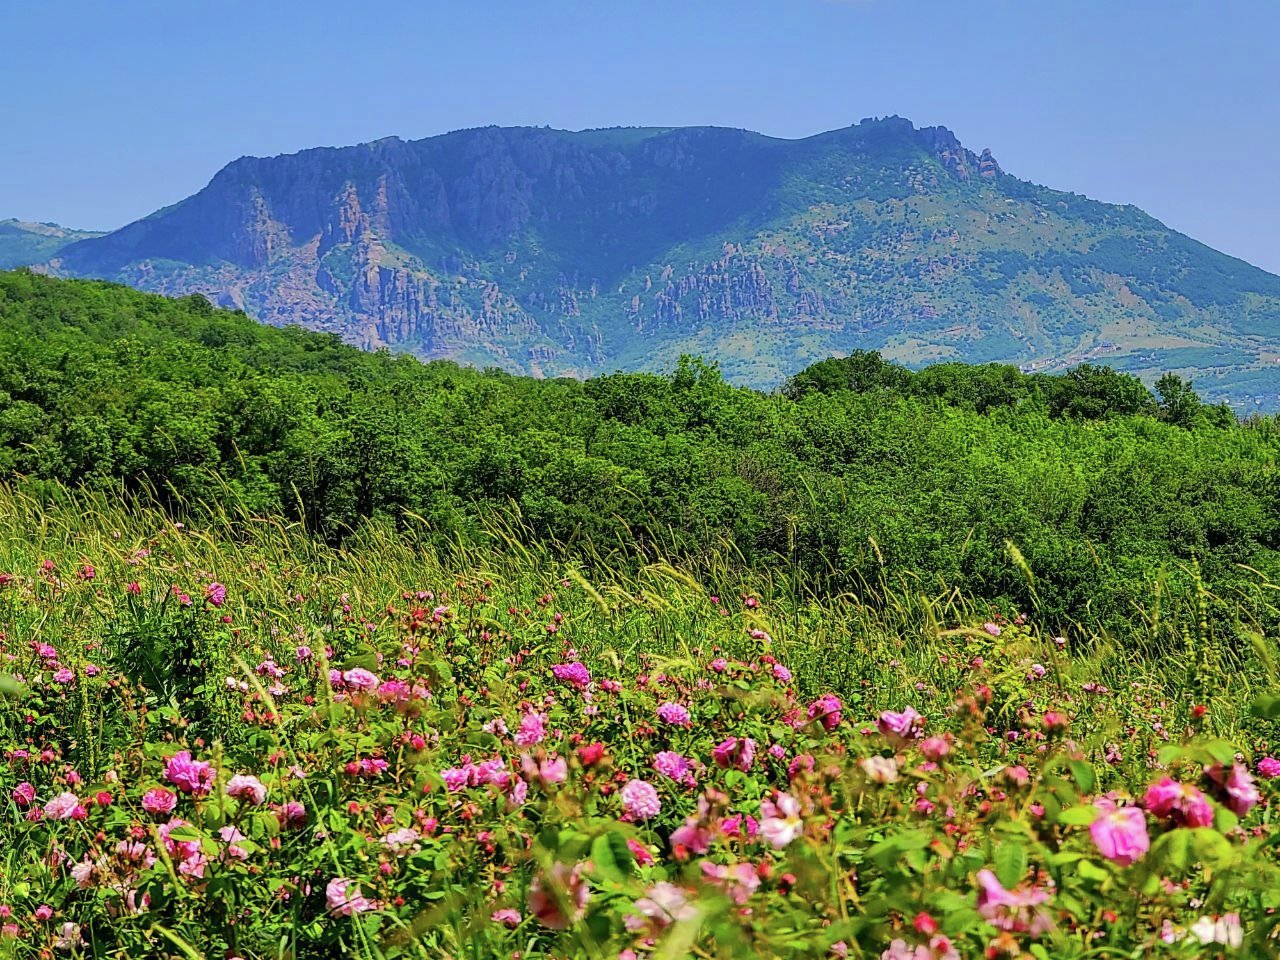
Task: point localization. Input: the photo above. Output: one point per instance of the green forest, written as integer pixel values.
(1077, 493)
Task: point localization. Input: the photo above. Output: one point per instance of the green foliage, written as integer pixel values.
(368, 791)
(860, 474)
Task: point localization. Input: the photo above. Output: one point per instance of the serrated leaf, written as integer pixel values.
(1011, 864)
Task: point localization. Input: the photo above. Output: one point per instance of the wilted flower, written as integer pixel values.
(508, 917)
(68, 936)
(558, 896)
(401, 841)
(1225, 930)
(880, 769)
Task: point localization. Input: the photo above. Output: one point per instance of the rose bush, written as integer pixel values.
(350, 763)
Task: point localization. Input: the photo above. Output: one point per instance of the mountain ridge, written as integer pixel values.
(24, 242)
(574, 252)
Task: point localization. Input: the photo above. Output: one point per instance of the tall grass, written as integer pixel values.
(872, 644)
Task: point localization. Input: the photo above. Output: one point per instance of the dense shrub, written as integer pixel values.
(859, 471)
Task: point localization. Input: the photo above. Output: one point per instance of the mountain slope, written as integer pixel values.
(549, 252)
(23, 244)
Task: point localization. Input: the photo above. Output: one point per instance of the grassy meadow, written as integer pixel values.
(225, 738)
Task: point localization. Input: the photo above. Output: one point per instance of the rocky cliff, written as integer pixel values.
(552, 252)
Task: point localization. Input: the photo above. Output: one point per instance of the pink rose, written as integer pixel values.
(1119, 833)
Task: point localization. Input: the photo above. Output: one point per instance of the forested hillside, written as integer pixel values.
(859, 472)
(553, 252)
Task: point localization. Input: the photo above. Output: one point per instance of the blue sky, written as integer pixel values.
(111, 110)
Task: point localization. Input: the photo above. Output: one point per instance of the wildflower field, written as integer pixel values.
(228, 740)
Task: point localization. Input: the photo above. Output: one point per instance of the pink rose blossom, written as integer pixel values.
(780, 821)
(158, 800)
(1015, 911)
(247, 788)
(1236, 786)
(65, 806)
(532, 729)
(826, 710)
(344, 898)
(1170, 800)
(662, 905)
(674, 767)
(737, 752)
(1119, 833)
(190, 776)
(738, 881)
(640, 800)
(674, 714)
(900, 726)
(575, 674)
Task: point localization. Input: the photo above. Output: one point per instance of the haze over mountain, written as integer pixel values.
(550, 252)
(22, 243)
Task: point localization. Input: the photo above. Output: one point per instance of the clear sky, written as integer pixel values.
(109, 110)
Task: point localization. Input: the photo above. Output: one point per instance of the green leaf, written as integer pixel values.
(611, 856)
(1266, 707)
(1011, 864)
(1224, 821)
(1091, 871)
(1084, 775)
(1211, 848)
(1174, 850)
(1078, 816)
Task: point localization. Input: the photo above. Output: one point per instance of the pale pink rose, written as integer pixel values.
(1120, 833)
(247, 788)
(640, 800)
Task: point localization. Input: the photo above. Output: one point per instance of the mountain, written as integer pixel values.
(551, 252)
(22, 243)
